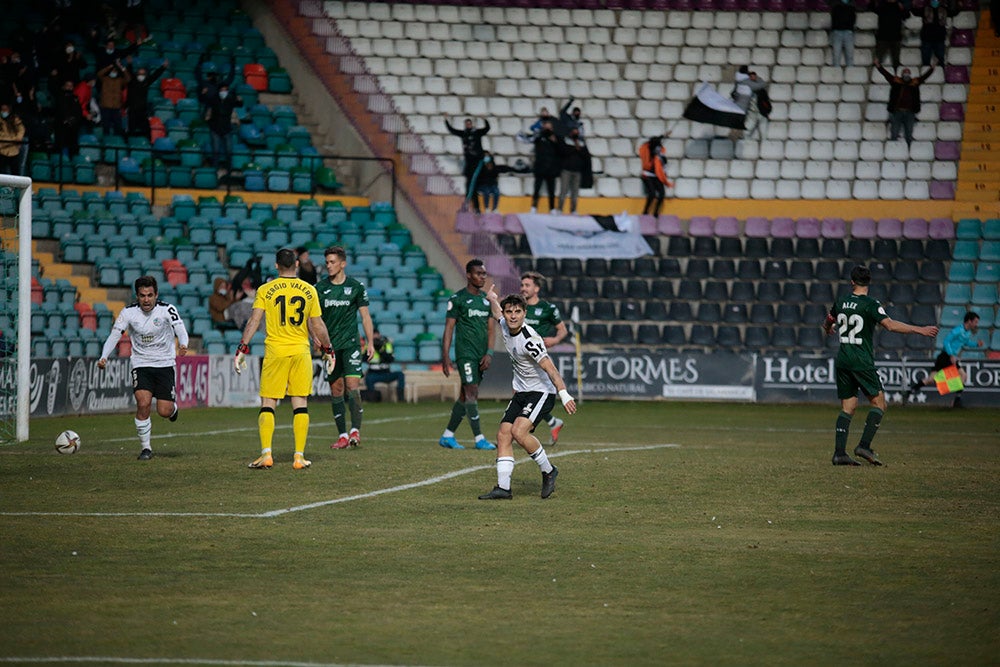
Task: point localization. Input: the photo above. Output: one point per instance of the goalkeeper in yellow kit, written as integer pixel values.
(290, 308)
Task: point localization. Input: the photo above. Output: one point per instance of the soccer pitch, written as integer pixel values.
(679, 533)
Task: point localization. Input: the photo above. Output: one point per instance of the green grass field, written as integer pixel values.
(680, 533)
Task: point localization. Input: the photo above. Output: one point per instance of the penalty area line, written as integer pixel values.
(105, 660)
(346, 499)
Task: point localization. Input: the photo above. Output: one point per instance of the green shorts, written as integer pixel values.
(849, 382)
(348, 364)
(468, 370)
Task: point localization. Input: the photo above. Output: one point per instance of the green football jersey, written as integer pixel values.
(471, 313)
(857, 316)
(543, 317)
(340, 304)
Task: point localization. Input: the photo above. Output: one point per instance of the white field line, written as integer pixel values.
(101, 660)
(337, 501)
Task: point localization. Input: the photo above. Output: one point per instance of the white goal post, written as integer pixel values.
(19, 189)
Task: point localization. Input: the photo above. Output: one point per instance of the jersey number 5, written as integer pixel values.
(297, 305)
(849, 328)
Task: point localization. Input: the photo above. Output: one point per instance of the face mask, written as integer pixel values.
(906, 78)
(70, 49)
(109, 51)
(935, 3)
(223, 94)
(487, 159)
(222, 292)
(113, 75)
(141, 77)
(19, 99)
(4, 114)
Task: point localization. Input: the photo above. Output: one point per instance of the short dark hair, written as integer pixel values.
(285, 258)
(301, 249)
(473, 263)
(534, 276)
(861, 275)
(971, 315)
(514, 300)
(146, 281)
(336, 250)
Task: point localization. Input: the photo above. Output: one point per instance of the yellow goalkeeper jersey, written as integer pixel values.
(288, 303)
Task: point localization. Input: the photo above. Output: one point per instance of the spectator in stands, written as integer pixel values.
(569, 120)
(904, 101)
(962, 336)
(307, 270)
(220, 123)
(68, 119)
(22, 83)
(535, 129)
(133, 16)
(854, 317)
(210, 82)
(238, 313)
(68, 67)
(380, 366)
(576, 171)
(843, 17)
(218, 302)
(11, 141)
(137, 100)
(110, 53)
(84, 92)
(933, 31)
(654, 175)
(745, 92)
(889, 30)
(113, 80)
(472, 154)
(488, 180)
(546, 167)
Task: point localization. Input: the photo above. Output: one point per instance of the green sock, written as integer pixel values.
(843, 426)
(472, 409)
(457, 412)
(357, 410)
(337, 403)
(871, 426)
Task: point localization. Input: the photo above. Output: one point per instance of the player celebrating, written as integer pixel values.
(854, 317)
(290, 309)
(469, 320)
(341, 299)
(152, 326)
(543, 318)
(534, 395)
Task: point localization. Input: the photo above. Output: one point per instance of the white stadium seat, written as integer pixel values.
(762, 189)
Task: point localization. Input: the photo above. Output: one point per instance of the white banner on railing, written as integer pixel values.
(584, 236)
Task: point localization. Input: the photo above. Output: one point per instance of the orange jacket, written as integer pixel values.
(652, 164)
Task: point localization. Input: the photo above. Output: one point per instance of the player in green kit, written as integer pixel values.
(468, 319)
(341, 299)
(544, 318)
(854, 317)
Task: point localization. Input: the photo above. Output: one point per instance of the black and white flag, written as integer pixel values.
(708, 106)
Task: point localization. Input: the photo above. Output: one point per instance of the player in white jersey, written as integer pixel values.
(536, 383)
(152, 326)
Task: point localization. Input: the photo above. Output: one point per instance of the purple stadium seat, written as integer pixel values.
(952, 111)
(727, 226)
(774, 5)
(863, 228)
(947, 150)
(796, 5)
(889, 228)
(807, 228)
(833, 228)
(915, 228)
(492, 223)
(700, 225)
(729, 5)
(670, 225)
(512, 224)
(682, 5)
(963, 37)
(647, 225)
(941, 228)
(466, 223)
(757, 227)
(942, 189)
(783, 228)
(753, 5)
(956, 74)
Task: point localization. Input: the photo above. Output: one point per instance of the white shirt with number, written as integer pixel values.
(152, 335)
(526, 349)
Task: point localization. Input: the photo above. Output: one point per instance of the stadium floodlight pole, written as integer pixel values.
(23, 185)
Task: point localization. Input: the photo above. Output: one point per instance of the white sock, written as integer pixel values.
(552, 421)
(505, 466)
(448, 434)
(143, 429)
(542, 460)
(480, 437)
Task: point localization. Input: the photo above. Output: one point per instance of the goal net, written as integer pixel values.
(15, 307)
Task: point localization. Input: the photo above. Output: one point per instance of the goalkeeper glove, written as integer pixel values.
(329, 359)
(240, 362)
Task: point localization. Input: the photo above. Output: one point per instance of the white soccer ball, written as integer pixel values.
(67, 442)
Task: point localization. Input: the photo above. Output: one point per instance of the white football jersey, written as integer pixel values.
(152, 335)
(526, 349)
